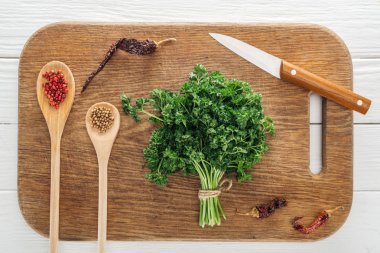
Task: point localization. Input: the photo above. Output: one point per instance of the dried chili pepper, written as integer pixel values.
(321, 219)
(265, 210)
(131, 46)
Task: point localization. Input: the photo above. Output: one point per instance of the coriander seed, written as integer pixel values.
(101, 118)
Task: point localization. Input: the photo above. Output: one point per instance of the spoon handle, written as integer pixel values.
(54, 194)
(102, 205)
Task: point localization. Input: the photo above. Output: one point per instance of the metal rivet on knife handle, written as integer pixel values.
(325, 88)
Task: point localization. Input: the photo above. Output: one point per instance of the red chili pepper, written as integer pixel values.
(321, 219)
(266, 209)
(131, 46)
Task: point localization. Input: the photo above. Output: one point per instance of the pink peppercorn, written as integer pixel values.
(55, 88)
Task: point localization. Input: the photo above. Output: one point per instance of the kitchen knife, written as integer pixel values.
(294, 74)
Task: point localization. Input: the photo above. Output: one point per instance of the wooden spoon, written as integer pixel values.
(103, 145)
(55, 120)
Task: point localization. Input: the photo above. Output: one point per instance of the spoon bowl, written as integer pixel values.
(107, 137)
(55, 120)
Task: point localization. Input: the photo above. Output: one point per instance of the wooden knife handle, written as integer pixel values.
(325, 88)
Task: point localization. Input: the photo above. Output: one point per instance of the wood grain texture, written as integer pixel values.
(361, 224)
(325, 88)
(55, 121)
(356, 21)
(8, 90)
(137, 209)
(366, 80)
(366, 158)
(103, 143)
(366, 76)
(8, 157)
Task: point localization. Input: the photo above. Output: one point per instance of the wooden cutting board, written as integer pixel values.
(138, 209)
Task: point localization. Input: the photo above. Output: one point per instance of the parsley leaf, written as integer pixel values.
(212, 126)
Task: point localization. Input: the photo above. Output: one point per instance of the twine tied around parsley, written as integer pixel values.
(206, 194)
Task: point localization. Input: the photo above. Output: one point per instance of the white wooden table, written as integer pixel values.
(356, 21)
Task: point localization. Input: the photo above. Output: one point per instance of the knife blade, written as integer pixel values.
(293, 74)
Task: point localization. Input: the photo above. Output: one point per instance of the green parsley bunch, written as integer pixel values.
(210, 127)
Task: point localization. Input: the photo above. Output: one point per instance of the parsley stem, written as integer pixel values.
(151, 115)
(210, 209)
